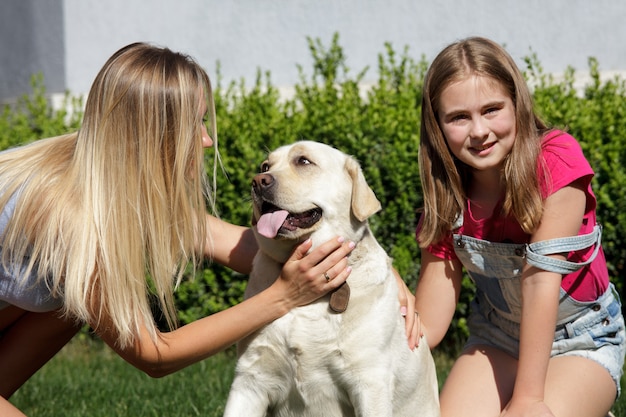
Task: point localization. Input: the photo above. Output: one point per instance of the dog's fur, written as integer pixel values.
(314, 362)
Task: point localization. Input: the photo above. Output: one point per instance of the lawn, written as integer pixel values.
(86, 379)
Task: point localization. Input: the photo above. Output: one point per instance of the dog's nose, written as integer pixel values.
(262, 181)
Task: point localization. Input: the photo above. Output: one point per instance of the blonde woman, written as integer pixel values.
(87, 216)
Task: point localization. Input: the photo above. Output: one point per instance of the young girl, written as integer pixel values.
(510, 201)
(86, 217)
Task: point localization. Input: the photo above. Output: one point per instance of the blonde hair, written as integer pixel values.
(444, 178)
(114, 213)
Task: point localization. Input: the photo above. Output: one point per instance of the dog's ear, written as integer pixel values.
(364, 201)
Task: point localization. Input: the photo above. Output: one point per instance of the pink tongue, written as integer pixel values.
(269, 223)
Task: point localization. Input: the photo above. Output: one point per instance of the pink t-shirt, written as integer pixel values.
(565, 163)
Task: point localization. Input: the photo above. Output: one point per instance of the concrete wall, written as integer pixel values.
(69, 40)
(31, 41)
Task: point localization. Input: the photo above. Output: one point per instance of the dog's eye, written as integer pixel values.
(303, 160)
(265, 166)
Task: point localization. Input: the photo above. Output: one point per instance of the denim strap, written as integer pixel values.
(535, 252)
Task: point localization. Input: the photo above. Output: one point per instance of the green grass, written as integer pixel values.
(87, 379)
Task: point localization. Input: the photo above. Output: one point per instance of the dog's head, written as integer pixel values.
(309, 189)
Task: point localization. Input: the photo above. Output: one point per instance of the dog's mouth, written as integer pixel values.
(274, 220)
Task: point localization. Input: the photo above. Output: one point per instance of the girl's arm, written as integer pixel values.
(300, 283)
(437, 294)
(563, 214)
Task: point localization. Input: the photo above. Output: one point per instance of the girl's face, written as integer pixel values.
(477, 118)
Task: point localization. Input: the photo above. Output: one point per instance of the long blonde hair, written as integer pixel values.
(113, 213)
(444, 178)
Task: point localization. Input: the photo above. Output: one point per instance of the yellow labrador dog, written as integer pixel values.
(342, 355)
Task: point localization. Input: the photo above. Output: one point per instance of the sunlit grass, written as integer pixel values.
(86, 379)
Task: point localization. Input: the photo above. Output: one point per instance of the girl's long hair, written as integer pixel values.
(444, 178)
(111, 215)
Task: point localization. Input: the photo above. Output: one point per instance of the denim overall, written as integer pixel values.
(594, 330)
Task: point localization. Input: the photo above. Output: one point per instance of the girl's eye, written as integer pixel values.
(458, 117)
(494, 107)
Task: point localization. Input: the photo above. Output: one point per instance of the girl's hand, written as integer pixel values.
(412, 323)
(307, 277)
(536, 408)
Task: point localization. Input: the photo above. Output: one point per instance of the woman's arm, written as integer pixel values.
(300, 283)
(437, 294)
(237, 246)
(563, 214)
(230, 245)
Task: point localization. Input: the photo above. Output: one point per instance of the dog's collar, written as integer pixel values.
(339, 298)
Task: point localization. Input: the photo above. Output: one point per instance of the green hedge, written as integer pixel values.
(32, 117)
(379, 125)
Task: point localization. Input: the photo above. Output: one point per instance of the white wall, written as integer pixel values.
(31, 41)
(271, 34)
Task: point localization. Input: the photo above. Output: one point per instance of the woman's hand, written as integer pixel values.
(307, 277)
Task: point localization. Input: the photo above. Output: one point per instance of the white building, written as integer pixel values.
(69, 40)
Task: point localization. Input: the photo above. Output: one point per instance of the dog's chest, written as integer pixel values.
(311, 331)
(310, 335)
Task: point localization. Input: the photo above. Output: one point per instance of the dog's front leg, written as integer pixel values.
(373, 398)
(245, 400)
(262, 378)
